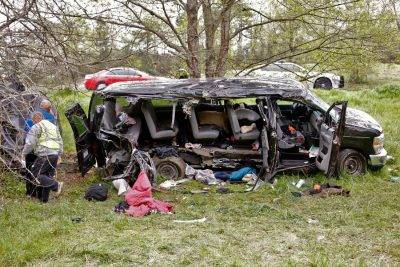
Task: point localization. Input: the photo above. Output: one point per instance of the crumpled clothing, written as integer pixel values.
(205, 176)
(140, 199)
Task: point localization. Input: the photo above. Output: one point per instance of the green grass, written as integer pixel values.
(267, 227)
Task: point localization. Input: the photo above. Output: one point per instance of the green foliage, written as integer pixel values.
(350, 38)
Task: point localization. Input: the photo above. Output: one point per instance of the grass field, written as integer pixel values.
(267, 227)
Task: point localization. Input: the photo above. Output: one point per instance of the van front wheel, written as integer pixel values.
(170, 168)
(351, 162)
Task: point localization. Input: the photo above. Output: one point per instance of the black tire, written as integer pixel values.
(351, 162)
(170, 168)
(323, 83)
(100, 85)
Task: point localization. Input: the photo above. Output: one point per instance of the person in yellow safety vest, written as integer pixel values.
(44, 140)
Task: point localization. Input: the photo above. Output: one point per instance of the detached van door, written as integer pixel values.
(330, 139)
(88, 147)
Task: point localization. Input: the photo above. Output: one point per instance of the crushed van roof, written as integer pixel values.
(207, 88)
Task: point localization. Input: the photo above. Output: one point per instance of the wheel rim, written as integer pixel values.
(168, 170)
(352, 165)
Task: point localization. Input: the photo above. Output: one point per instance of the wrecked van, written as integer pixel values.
(223, 123)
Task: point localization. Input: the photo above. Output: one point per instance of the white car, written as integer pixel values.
(291, 70)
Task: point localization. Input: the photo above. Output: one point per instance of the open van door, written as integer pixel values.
(269, 140)
(330, 139)
(88, 148)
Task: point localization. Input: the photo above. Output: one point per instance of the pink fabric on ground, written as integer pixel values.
(140, 199)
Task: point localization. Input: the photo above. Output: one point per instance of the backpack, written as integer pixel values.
(97, 192)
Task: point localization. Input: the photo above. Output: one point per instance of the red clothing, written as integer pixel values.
(140, 199)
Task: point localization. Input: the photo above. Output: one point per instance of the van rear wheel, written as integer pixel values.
(351, 162)
(323, 83)
(170, 168)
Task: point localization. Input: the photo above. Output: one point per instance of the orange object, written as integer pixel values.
(291, 129)
(317, 187)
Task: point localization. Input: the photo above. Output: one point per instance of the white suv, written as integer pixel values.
(312, 78)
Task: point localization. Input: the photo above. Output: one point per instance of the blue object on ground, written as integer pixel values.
(238, 175)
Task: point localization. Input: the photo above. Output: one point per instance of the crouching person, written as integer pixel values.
(44, 141)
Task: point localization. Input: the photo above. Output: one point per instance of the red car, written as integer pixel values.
(106, 77)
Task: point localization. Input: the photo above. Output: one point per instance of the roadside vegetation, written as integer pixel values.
(266, 227)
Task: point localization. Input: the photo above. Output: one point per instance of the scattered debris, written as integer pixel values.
(320, 238)
(202, 220)
(250, 177)
(121, 207)
(200, 191)
(258, 183)
(322, 191)
(312, 221)
(300, 183)
(122, 186)
(76, 219)
(190, 145)
(395, 179)
(205, 176)
(168, 184)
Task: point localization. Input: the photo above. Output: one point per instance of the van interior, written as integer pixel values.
(221, 129)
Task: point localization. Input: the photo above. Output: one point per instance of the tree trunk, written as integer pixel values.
(397, 16)
(209, 29)
(192, 10)
(224, 39)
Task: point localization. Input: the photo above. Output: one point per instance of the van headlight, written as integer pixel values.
(378, 143)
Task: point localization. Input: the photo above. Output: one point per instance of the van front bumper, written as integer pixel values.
(378, 159)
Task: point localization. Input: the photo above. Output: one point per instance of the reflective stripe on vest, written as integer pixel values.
(49, 137)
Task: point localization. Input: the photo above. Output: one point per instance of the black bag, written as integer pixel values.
(97, 192)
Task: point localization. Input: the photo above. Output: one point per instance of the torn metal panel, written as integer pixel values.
(210, 88)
